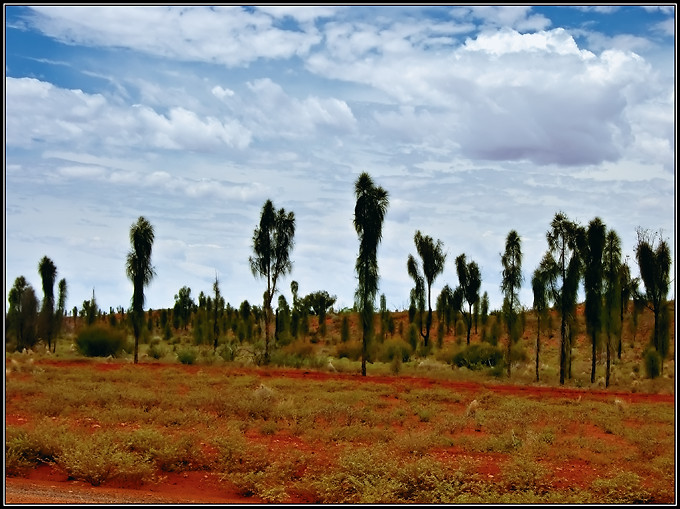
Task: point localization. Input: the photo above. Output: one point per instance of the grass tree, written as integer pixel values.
(629, 287)
(445, 306)
(218, 306)
(654, 261)
(433, 258)
(593, 282)
(48, 275)
(140, 271)
(369, 215)
(511, 283)
(22, 315)
(467, 291)
(564, 273)
(61, 309)
(611, 314)
(539, 287)
(273, 241)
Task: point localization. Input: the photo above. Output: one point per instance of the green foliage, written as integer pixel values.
(98, 458)
(22, 452)
(187, 355)
(440, 334)
(350, 350)
(623, 488)
(652, 361)
(478, 355)
(395, 348)
(344, 328)
(100, 341)
(413, 336)
(156, 351)
(22, 316)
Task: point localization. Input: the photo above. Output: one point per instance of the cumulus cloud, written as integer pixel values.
(40, 112)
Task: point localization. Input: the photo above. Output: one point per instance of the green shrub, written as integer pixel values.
(478, 355)
(652, 361)
(22, 452)
(623, 488)
(100, 341)
(350, 350)
(156, 351)
(395, 348)
(187, 355)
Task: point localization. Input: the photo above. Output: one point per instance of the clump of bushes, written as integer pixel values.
(478, 355)
(100, 341)
(393, 349)
(350, 349)
(187, 355)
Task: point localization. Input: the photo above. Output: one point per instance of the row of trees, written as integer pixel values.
(575, 254)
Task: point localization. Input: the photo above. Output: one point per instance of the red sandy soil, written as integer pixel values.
(49, 485)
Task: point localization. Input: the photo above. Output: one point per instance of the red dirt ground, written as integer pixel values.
(48, 485)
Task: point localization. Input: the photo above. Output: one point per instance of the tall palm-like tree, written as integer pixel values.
(273, 242)
(592, 281)
(563, 246)
(140, 271)
(217, 311)
(48, 274)
(511, 283)
(654, 261)
(611, 314)
(539, 286)
(61, 309)
(467, 291)
(433, 258)
(369, 214)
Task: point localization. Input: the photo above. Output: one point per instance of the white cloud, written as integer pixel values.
(183, 33)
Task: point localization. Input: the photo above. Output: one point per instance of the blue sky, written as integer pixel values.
(476, 120)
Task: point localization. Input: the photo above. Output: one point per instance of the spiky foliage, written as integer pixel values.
(592, 281)
(47, 323)
(140, 271)
(433, 257)
(511, 283)
(539, 287)
(22, 315)
(611, 315)
(369, 215)
(564, 239)
(467, 291)
(273, 242)
(654, 261)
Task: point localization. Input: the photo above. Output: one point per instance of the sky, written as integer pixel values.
(477, 120)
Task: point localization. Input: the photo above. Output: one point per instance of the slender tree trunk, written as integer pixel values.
(538, 344)
(563, 349)
(592, 368)
(469, 324)
(364, 343)
(606, 379)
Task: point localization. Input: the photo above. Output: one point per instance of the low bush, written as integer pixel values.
(478, 355)
(187, 355)
(350, 350)
(100, 341)
(395, 348)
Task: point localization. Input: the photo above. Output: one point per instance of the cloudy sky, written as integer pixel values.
(476, 120)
